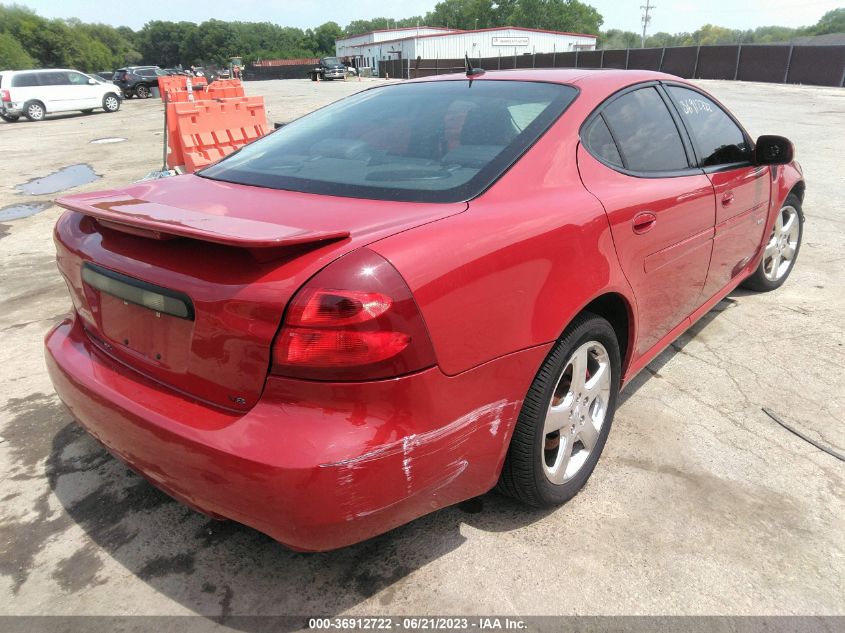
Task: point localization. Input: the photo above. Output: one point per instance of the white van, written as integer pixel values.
(36, 93)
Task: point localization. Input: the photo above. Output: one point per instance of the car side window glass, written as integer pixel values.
(25, 80)
(718, 139)
(77, 79)
(54, 79)
(645, 131)
(598, 140)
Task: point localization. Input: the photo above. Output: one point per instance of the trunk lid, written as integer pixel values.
(234, 254)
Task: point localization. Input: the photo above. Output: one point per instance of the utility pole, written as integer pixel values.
(647, 7)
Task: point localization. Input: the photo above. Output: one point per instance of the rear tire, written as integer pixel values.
(111, 103)
(9, 118)
(143, 91)
(781, 249)
(566, 416)
(34, 111)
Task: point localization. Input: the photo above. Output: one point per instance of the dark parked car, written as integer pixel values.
(138, 80)
(328, 68)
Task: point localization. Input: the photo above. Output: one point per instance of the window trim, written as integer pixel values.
(665, 85)
(683, 133)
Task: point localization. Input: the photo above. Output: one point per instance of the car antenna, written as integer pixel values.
(470, 71)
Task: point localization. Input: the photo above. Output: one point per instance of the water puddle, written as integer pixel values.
(65, 178)
(18, 211)
(107, 140)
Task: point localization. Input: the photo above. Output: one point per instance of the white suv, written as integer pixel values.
(35, 93)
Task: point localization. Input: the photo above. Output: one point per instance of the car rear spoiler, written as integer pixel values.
(158, 221)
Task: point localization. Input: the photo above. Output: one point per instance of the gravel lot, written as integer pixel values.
(701, 504)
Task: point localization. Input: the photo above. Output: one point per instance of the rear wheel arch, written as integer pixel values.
(798, 189)
(618, 311)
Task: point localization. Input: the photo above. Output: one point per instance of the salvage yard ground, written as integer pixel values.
(701, 503)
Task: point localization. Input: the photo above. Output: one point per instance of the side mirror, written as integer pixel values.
(773, 150)
(92, 82)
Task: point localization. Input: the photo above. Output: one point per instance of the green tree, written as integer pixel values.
(831, 22)
(463, 14)
(12, 54)
(168, 43)
(322, 38)
(615, 38)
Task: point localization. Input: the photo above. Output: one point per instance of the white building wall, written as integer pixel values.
(505, 42)
(346, 47)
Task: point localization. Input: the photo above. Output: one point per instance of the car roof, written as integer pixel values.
(598, 79)
(40, 70)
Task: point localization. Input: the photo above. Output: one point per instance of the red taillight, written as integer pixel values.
(5, 96)
(355, 320)
(337, 307)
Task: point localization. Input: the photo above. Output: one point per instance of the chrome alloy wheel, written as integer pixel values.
(35, 111)
(576, 412)
(111, 103)
(783, 244)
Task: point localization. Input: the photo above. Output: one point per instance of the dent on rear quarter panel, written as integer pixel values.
(513, 270)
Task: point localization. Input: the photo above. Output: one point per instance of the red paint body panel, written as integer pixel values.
(667, 265)
(222, 356)
(316, 466)
(742, 206)
(191, 404)
(121, 210)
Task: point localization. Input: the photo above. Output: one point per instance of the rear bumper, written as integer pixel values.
(316, 466)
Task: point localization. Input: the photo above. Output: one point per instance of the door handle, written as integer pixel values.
(643, 222)
(727, 199)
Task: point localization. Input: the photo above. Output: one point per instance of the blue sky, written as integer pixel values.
(670, 15)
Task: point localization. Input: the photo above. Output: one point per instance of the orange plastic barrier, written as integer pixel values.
(180, 83)
(206, 131)
(225, 89)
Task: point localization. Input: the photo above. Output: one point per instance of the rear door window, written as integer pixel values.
(55, 78)
(718, 140)
(647, 137)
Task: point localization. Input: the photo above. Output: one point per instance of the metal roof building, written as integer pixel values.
(426, 42)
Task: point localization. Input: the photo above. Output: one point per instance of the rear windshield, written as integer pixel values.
(441, 141)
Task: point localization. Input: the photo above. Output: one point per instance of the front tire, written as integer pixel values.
(566, 416)
(9, 118)
(781, 250)
(35, 111)
(111, 103)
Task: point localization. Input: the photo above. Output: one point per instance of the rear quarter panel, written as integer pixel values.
(512, 271)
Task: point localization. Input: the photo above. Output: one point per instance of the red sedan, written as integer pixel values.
(412, 296)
